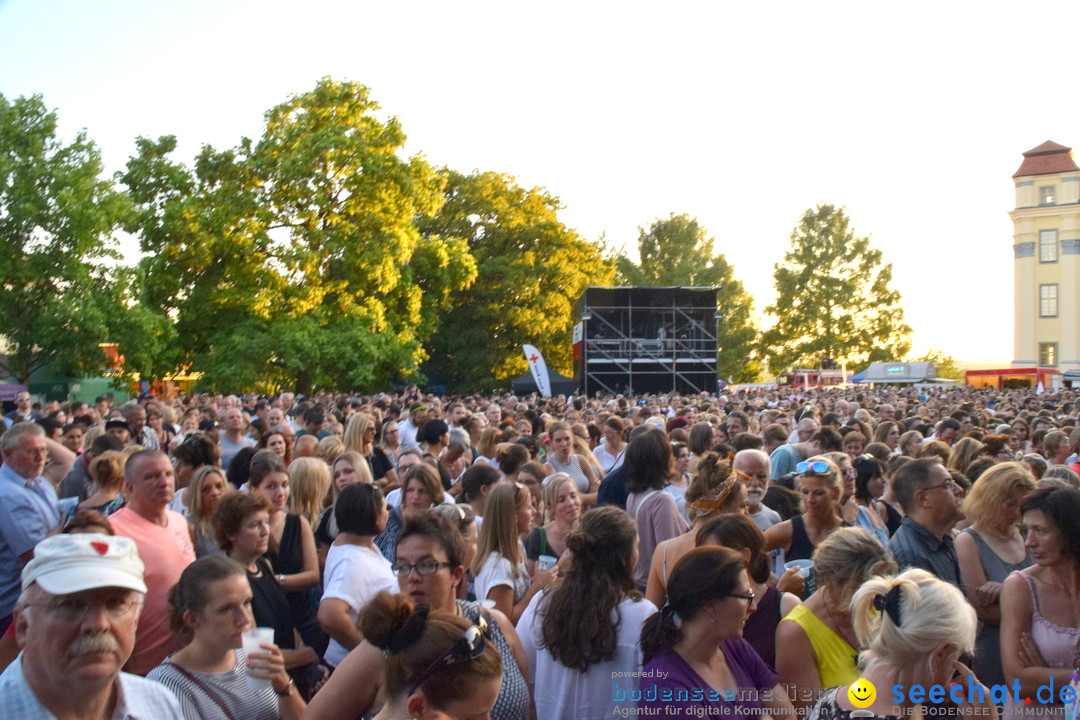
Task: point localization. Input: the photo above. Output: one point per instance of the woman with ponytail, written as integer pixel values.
(585, 629)
(914, 628)
(694, 651)
(714, 492)
(435, 662)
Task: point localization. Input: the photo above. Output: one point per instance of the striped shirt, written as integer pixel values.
(229, 687)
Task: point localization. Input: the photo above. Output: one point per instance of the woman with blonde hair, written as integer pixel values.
(910, 442)
(887, 432)
(821, 629)
(330, 448)
(349, 469)
(963, 452)
(562, 516)
(563, 457)
(914, 627)
(989, 551)
(107, 474)
(309, 481)
(936, 448)
(819, 485)
(208, 485)
(499, 567)
(714, 492)
(486, 448)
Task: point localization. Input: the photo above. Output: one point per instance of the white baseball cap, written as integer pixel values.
(65, 564)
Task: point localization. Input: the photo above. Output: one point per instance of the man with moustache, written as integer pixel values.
(753, 466)
(164, 544)
(75, 622)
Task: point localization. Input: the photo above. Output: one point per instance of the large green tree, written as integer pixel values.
(677, 251)
(531, 269)
(834, 298)
(57, 222)
(296, 259)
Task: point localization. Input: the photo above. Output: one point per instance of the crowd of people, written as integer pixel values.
(748, 554)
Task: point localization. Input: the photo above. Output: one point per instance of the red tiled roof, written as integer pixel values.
(1046, 159)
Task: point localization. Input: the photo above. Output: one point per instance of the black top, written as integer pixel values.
(269, 606)
(303, 604)
(380, 463)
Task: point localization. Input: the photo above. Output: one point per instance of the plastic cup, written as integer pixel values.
(252, 641)
(546, 562)
(804, 566)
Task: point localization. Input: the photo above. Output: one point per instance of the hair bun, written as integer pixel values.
(410, 632)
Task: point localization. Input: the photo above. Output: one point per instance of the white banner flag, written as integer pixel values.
(539, 369)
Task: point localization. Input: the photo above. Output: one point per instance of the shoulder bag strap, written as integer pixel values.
(206, 689)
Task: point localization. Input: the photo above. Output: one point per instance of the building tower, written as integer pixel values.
(1046, 248)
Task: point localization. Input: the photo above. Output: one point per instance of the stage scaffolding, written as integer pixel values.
(646, 340)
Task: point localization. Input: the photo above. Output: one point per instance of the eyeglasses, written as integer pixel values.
(818, 467)
(471, 646)
(749, 598)
(427, 566)
(74, 610)
(950, 484)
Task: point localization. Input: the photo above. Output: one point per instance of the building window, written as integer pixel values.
(1048, 354)
(1048, 246)
(1047, 195)
(1048, 300)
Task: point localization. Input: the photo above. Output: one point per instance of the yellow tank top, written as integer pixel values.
(835, 658)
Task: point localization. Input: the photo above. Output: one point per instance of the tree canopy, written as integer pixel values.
(834, 299)
(297, 257)
(57, 224)
(677, 251)
(531, 268)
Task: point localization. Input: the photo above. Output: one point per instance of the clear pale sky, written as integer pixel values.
(913, 116)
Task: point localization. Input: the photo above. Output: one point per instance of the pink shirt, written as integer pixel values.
(165, 551)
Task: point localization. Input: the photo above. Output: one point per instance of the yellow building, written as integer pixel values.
(1046, 248)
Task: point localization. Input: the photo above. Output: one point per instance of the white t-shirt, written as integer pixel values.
(355, 575)
(607, 460)
(177, 504)
(562, 693)
(497, 571)
(765, 518)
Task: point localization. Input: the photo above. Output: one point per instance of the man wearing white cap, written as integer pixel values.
(75, 622)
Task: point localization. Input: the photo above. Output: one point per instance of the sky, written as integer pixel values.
(912, 116)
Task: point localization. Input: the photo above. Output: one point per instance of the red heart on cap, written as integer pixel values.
(101, 547)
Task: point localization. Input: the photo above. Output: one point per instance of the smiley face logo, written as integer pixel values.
(862, 693)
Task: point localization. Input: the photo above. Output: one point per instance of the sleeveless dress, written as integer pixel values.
(573, 469)
(988, 641)
(513, 702)
(1059, 647)
(835, 658)
(303, 604)
(760, 628)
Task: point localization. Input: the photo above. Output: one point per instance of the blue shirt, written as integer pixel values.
(783, 461)
(28, 512)
(912, 545)
(136, 699)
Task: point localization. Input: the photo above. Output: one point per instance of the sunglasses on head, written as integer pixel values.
(818, 467)
(471, 646)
